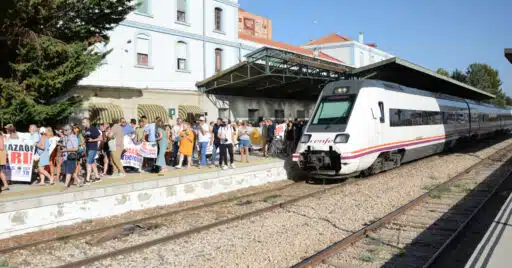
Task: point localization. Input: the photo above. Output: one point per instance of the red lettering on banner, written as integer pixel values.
(26, 157)
(15, 158)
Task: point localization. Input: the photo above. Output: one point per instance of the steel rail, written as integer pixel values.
(467, 221)
(199, 229)
(361, 233)
(144, 219)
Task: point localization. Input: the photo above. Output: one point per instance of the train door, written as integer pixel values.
(377, 126)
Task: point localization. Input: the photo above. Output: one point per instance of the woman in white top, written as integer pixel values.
(244, 141)
(226, 136)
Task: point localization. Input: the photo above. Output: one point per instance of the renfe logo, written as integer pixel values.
(327, 140)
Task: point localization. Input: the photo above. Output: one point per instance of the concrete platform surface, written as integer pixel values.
(32, 208)
(495, 249)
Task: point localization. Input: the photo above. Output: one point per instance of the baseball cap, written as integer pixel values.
(42, 130)
(201, 118)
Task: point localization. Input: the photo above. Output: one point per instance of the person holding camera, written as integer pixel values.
(226, 136)
(69, 148)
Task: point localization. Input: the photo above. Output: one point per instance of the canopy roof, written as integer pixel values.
(405, 73)
(274, 73)
(508, 54)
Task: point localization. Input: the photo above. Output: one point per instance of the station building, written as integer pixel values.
(161, 50)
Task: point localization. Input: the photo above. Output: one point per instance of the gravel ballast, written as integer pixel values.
(282, 237)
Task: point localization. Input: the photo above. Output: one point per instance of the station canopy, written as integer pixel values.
(508, 54)
(274, 73)
(405, 73)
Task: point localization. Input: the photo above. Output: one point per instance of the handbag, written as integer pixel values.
(72, 156)
(112, 145)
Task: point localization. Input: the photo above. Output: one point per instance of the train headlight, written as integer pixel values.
(305, 138)
(341, 90)
(341, 138)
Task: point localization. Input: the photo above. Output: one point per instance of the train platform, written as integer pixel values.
(495, 247)
(27, 208)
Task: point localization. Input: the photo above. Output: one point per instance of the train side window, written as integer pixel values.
(381, 108)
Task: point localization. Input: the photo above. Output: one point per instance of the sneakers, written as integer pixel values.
(232, 166)
(224, 167)
(177, 167)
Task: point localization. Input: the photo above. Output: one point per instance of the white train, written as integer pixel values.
(370, 126)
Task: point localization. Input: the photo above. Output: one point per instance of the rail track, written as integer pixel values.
(290, 193)
(415, 234)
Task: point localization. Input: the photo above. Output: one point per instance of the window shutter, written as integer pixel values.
(182, 5)
(143, 44)
(181, 50)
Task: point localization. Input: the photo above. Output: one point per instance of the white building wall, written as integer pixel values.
(353, 53)
(120, 67)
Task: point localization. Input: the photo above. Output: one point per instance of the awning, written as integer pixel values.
(508, 54)
(184, 110)
(104, 113)
(152, 111)
(274, 73)
(402, 72)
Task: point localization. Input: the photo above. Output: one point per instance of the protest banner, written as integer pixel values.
(148, 149)
(279, 131)
(131, 156)
(20, 155)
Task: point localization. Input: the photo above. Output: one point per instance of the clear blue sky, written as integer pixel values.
(432, 33)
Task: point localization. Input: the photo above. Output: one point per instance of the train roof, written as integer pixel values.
(405, 73)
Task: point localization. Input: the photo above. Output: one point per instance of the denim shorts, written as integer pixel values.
(91, 155)
(244, 143)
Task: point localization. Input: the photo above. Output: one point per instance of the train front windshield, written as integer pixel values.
(332, 112)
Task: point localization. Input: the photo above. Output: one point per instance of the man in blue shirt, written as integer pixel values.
(149, 131)
(127, 129)
(92, 137)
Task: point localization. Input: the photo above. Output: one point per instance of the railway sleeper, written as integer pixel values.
(444, 226)
(415, 229)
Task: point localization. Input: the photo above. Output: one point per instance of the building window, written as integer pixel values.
(143, 6)
(301, 114)
(279, 115)
(253, 116)
(218, 60)
(218, 19)
(223, 113)
(143, 48)
(181, 10)
(181, 55)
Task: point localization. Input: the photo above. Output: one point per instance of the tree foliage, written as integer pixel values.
(442, 71)
(484, 77)
(48, 46)
(459, 76)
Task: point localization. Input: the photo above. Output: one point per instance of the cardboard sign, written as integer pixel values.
(20, 155)
(131, 156)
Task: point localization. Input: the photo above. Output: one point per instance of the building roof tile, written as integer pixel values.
(331, 38)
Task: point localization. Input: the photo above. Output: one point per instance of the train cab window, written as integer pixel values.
(333, 110)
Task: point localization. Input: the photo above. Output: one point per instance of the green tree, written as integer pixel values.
(484, 77)
(442, 71)
(459, 76)
(508, 101)
(46, 47)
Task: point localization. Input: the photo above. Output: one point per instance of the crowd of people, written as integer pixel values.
(96, 150)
